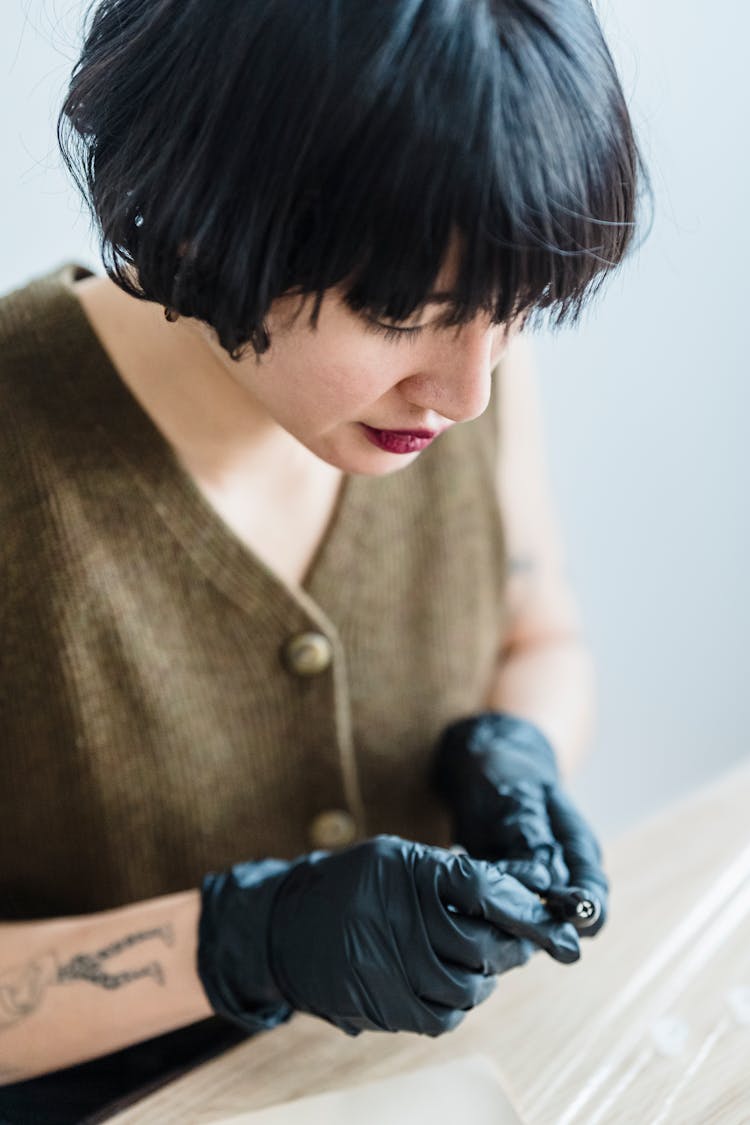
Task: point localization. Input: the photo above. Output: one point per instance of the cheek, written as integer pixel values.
(354, 379)
(335, 374)
(503, 339)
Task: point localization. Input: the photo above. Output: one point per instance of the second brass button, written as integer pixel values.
(308, 654)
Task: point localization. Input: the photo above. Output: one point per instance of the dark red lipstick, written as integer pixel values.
(400, 441)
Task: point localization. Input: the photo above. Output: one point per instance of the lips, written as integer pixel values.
(399, 441)
(413, 433)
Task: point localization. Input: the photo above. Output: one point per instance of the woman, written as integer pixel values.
(285, 614)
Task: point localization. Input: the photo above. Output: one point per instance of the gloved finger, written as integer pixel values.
(469, 989)
(435, 978)
(557, 867)
(580, 846)
(478, 889)
(434, 1020)
(513, 823)
(491, 951)
(475, 944)
(534, 874)
(437, 1018)
(450, 985)
(521, 813)
(382, 1009)
(582, 852)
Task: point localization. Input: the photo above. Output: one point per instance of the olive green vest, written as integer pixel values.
(168, 705)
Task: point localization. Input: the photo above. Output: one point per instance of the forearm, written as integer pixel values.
(550, 683)
(75, 988)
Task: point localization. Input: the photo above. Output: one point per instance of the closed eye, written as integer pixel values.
(395, 335)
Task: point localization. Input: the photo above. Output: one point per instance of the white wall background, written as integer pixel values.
(646, 408)
(646, 402)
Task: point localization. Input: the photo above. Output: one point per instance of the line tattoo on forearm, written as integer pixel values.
(22, 988)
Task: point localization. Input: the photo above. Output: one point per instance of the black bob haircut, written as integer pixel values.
(235, 151)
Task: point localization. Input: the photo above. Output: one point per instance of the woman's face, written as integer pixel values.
(324, 385)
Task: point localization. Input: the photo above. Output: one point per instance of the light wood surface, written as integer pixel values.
(650, 1027)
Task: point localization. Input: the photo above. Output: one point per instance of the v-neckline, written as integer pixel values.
(153, 462)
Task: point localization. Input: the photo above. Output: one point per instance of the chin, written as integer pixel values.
(385, 470)
(360, 458)
(377, 465)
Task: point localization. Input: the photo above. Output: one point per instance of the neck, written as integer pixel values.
(187, 383)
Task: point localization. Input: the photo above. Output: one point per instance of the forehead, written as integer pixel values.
(438, 299)
(448, 273)
(440, 295)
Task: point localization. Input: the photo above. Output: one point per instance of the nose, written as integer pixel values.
(454, 378)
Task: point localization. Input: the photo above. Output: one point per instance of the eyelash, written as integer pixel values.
(394, 335)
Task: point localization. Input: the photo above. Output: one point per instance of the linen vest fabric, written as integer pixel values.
(150, 728)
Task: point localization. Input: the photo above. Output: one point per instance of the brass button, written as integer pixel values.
(307, 654)
(333, 828)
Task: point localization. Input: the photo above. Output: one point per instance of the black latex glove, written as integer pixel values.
(386, 935)
(498, 774)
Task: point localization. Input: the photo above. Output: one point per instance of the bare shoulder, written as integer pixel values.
(539, 598)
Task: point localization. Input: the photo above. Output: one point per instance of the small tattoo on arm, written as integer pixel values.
(22, 989)
(85, 967)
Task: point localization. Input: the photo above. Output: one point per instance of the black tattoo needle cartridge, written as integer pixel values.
(573, 905)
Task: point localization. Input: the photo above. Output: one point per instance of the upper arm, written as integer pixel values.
(539, 599)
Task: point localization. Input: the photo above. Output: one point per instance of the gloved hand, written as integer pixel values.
(499, 776)
(385, 935)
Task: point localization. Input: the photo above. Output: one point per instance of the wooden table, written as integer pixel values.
(651, 1026)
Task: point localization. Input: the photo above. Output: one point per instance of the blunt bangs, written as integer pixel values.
(234, 153)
